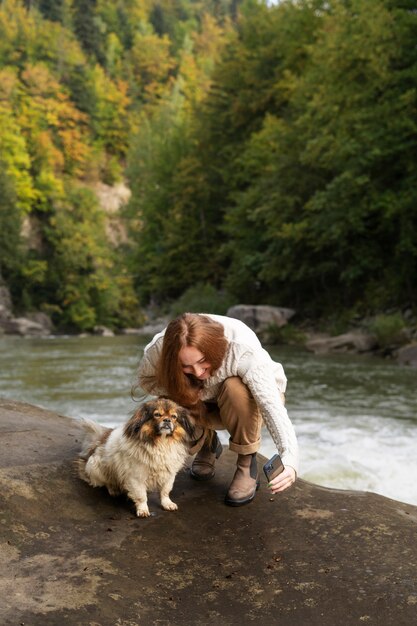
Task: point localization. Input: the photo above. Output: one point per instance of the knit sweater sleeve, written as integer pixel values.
(259, 376)
(147, 368)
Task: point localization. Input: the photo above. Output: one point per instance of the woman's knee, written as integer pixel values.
(236, 401)
(233, 387)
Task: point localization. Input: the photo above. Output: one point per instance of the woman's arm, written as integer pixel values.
(260, 379)
(147, 368)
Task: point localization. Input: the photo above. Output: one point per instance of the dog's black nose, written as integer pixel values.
(167, 420)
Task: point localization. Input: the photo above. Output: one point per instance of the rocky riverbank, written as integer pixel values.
(70, 554)
(270, 323)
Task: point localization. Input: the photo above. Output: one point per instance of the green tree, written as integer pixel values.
(84, 281)
(89, 28)
(53, 10)
(10, 228)
(14, 155)
(336, 195)
(158, 148)
(307, 138)
(150, 66)
(253, 85)
(124, 18)
(174, 224)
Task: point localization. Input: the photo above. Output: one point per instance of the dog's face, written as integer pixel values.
(160, 418)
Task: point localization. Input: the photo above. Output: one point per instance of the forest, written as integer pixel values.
(270, 150)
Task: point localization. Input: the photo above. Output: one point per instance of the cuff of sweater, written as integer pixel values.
(291, 460)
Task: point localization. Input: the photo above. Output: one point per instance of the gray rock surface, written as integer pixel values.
(72, 555)
(24, 326)
(31, 324)
(407, 355)
(43, 319)
(150, 329)
(103, 331)
(260, 317)
(354, 341)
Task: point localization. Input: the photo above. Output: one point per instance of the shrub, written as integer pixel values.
(202, 298)
(287, 334)
(389, 330)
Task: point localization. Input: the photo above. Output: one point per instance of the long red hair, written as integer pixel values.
(189, 330)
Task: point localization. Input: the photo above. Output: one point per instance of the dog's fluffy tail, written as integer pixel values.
(94, 434)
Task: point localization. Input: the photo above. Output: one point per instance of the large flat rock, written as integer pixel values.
(72, 555)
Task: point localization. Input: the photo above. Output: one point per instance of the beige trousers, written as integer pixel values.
(237, 412)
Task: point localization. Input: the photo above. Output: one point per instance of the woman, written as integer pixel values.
(216, 367)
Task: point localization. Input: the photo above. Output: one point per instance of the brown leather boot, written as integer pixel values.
(245, 482)
(203, 464)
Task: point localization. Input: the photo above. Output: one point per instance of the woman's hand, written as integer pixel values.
(283, 480)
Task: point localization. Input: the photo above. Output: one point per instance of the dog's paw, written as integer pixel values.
(169, 505)
(143, 512)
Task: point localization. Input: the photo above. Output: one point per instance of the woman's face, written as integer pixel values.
(194, 362)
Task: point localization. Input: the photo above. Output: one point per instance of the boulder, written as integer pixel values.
(355, 341)
(260, 317)
(24, 326)
(148, 330)
(103, 331)
(71, 554)
(41, 318)
(407, 355)
(36, 323)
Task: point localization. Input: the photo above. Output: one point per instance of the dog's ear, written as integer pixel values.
(186, 421)
(142, 415)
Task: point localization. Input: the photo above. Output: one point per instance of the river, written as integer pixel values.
(355, 417)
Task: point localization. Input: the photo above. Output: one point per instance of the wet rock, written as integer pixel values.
(148, 330)
(407, 355)
(260, 317)
(24, 326)
(71, 554)
(41, 318)
(35, 323)
(103, 331)
(349, 342)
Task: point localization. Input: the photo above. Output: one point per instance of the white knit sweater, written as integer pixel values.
(245, 357)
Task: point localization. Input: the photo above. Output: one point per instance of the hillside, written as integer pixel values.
(267, 149)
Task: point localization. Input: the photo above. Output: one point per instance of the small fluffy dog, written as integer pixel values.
(142, 455)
